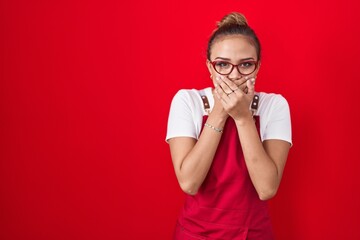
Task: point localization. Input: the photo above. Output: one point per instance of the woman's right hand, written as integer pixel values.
(218, 109)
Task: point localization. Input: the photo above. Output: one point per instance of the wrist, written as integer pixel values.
(245, 121)
(217, 120)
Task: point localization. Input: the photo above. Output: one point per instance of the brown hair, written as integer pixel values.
(234, 24)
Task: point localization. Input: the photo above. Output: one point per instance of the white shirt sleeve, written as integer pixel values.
(181, 117)
(278, 124)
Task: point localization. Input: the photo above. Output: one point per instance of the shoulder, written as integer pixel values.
(272, 101)
(272, 106)
(190, 93)
(272, 98)
(275, 120)
(186, 113)
(190, 96)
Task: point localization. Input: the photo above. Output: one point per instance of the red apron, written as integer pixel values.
(227, 206)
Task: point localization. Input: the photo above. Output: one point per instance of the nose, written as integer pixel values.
(234, 74)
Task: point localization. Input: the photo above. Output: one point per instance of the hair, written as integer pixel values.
(234, 24)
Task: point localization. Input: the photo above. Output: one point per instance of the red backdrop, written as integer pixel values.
(85, 90)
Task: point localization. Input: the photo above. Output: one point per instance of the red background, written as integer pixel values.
(85, 90)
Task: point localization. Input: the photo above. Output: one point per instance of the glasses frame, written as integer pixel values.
(235, 65)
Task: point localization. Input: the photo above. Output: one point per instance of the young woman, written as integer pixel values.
(229, 144)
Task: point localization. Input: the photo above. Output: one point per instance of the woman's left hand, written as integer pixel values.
(235, 101)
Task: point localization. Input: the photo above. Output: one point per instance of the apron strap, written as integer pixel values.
(255, 103)
(205, 103)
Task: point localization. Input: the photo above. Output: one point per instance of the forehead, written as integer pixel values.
(234, 47)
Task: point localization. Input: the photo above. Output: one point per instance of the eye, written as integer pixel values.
(247, 64)
(221, 64)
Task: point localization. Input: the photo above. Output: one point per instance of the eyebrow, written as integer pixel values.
(228, 59)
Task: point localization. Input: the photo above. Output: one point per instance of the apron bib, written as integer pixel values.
(227, 206)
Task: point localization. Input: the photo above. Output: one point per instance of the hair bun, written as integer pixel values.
(233, 18)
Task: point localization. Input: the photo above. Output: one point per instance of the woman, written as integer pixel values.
(229, 144)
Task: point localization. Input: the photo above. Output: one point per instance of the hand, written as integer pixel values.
(218, 109)
(236, 102)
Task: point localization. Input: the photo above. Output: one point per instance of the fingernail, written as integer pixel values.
(246, 78)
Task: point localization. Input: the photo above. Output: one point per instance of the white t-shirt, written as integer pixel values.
(187, 111)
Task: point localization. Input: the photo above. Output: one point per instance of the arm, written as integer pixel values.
(265, 161)
(192, 158)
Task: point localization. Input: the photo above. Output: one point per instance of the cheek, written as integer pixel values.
(211, 70)
(213, 74)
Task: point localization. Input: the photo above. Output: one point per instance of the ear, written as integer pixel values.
(258, 68)
(208, 64)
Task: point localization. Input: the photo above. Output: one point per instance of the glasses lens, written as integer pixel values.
(223, 67)
(247, 68)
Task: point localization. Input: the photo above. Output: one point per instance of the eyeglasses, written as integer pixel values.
(225, 68)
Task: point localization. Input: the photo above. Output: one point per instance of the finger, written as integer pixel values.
(230, 84)
(218, 87)
(250, 84)
(220, 94)
(240, 82)
(225, 88)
